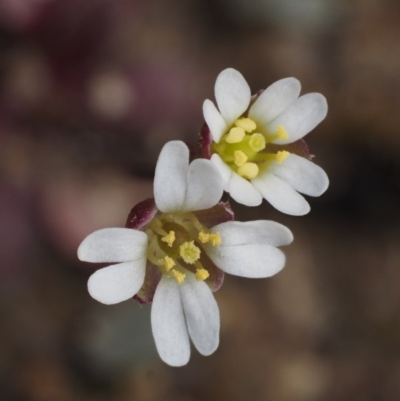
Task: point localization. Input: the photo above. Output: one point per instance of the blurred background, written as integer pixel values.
(90, 91)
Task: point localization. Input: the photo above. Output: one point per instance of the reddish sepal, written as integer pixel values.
(205, 143)
(141, 214)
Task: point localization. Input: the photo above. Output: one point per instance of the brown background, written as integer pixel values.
(89, 92)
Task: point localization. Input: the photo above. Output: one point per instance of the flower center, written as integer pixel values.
(243, 149)
(175, 245)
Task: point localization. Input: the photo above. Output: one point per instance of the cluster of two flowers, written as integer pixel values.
(177, 246)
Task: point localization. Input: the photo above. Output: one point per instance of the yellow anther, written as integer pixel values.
(282, 133)
(246, 123)
(189, 252)
(257, 142)
(215, 239)
(204, 237)
(248, 170)
(179, 277)
(202, 274)
(240, 158)
(235, 135)
(169, 263)
(281, 156)
(169, 238)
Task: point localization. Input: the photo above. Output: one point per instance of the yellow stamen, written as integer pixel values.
(169, 263)
(235, 135)
(169, 238)
(257, 142)
(282, 133)
(189, 252)
(248, 170)
(180, 277)
(246, 123)
(204, 237)
(240, 158)
(202, 274)
(215, 239)
(281, 156)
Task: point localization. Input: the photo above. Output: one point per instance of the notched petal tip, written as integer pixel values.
(232, 94)
(204, 186)
(170, 177)
(168, 324)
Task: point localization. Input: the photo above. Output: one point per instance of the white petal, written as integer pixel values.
(281, 195)
(201, 313)
(243, 191)
(117, 283)
(171, 176)
(275, 100)
(204, 186)
(302, 174)
(113, 245)
(232, 94)
(223, 169)
(250, 260)
(168, 324)
(214, 120)
(253, 232)
(301, 117)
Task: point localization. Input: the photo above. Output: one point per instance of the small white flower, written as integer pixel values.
(173, 239)
(245, 135)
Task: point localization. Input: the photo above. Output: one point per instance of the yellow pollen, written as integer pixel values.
(235, 135)
(189, 252)
(281, 156)
(240, 158)
(169, 238)
(248, 170)
(202, 274)
(257, 142)
(169, 263)
(204, 237)
(246, 123)
(215, 239)
(180, 277)
(282, 133)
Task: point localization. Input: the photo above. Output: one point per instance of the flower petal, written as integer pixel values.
(171, 177)
(214, 120)
(242, 191)
(117, 283)
(232, 94)
(113, 245)
(248, 260)
(253, 232)
(201, 313)
(168, 324)
(303, 175)
(223, 169)
(301, 117)
(204, 186)
(281, 195)
(275, 100)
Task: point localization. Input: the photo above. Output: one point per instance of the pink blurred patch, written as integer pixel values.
(16, 232)
(73, 208)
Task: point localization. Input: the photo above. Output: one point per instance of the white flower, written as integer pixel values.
(173, 240)
(244, 150)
